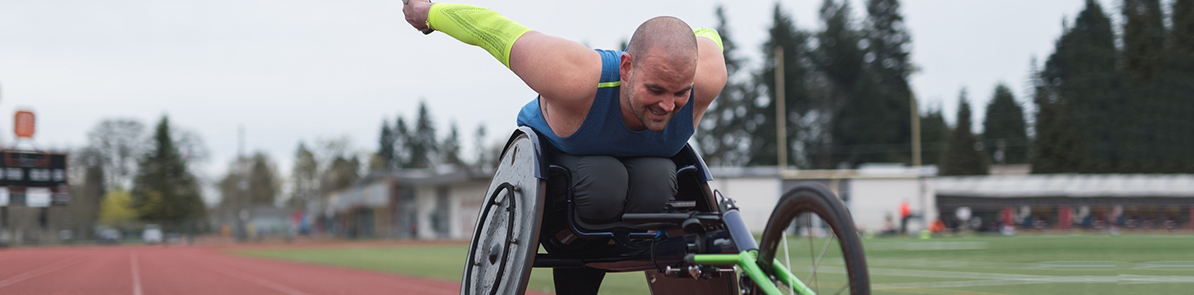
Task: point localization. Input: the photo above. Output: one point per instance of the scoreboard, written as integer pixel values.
(34, 179)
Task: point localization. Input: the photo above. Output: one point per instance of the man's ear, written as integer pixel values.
(626, 67)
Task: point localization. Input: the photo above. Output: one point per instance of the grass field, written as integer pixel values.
(1025, 264)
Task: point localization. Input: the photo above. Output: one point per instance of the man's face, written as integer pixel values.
(657, 88)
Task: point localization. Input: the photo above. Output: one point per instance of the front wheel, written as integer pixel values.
(504, 241)
(834, 263)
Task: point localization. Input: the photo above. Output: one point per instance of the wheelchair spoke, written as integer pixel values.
(788, 261)
(809, 228)
(817, 263)
(839, 291)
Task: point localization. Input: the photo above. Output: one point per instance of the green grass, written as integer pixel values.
(1025, 264)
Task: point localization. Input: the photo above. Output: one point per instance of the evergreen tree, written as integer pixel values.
(1179, 86)
(1058, 145)
(1143, 63)
(1005, 137)
(962, 156)
(164, 190)
(450, 148)
(723, 133)
(385, 148)
(263, 180)
(1080, 77)
(402, 140)
(760, 122)
(934, 136)
(484, 161)
(341, 173)
(1144, 38)
(304, 177)
(856, 104)
(887, 47)
(422, 144)
(1182, 36)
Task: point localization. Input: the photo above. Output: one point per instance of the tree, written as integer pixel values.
(1144, 38)
(759, 116)
(723, 134)
(340, 174)
(88, 194)
(1182, 36)
(422, 143)
(117, 209)
(1058, 145)
(884, 92)
(164, 190)
(117, 143)
(860, 113)
(385, 148)
(934, 136)
(483, 158)
(263, 180)
(1080, 82)
(402, 140)
(962, 156)
(304, 177)
(250, 182)
(1178, 86)
(1005, 137)
(450, 148)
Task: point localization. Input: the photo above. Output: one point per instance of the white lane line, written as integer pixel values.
(259, 281)
(954, 284)
(136, 275)
(40, 271)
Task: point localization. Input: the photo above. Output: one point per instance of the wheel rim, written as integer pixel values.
(503, 244)
(826, 254)
(497, 240)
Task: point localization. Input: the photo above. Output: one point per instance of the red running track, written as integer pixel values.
(188, 270)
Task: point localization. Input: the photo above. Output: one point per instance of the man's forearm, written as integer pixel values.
(477, 26)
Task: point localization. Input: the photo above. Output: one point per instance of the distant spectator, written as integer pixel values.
(937, 227)
(888, 226)
(905, 213)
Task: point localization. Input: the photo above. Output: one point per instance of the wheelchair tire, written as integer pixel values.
(505, 238)
(814, 198)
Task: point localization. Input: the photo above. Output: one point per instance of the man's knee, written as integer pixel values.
(598, 187)
(652, 183)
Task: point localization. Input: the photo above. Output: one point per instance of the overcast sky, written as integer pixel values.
(303, 70)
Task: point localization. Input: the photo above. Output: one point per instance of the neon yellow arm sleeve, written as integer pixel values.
(477, 26)
(709, 33)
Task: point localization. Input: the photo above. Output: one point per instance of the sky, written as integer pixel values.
(301, 70)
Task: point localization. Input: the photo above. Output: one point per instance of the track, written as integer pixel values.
(188, 270)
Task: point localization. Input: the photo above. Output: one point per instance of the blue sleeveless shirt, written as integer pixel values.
(604, 132)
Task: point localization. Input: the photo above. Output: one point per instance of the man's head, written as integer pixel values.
(658, 70)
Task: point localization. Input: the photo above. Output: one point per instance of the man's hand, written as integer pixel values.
(416, 14)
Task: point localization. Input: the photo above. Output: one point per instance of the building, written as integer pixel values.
(409, 204)
(1065, 201)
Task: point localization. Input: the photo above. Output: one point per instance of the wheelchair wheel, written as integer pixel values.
(504, 241)
(827, 261)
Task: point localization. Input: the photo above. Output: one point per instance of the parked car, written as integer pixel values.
(109, 236)
(152, 234)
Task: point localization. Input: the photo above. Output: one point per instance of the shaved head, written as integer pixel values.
(657, 71)
(663, 35)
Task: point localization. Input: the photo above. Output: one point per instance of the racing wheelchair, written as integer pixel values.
(699, 246)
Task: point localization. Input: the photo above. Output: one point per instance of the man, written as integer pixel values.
(613, 118)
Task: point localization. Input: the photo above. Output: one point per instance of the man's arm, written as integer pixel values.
(562, 72)
(711, 71)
